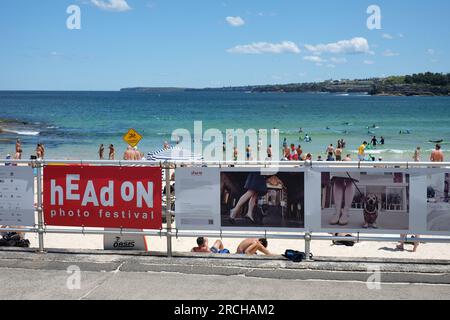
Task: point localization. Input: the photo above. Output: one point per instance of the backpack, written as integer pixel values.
(12, 239)
(295, 256)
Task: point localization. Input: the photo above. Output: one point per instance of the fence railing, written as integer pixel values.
(169, 232)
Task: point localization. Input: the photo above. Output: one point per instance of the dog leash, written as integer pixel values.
(354, 183)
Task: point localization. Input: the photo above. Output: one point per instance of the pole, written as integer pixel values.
(39, 167)
(308, 246)
(168, 213)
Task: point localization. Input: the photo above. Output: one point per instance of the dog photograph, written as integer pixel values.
(438, 202)
(365, 201)
(260, 200)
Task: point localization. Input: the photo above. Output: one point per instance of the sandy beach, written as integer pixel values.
(318, 248)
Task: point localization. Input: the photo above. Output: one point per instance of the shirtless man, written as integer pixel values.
(128, 154)
(202, 246)
(252, 245)
(437, 155)
(330, 149)
(338, 154)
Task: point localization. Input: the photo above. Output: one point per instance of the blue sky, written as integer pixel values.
(208, 43)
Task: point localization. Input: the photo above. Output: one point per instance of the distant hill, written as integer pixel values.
(153, 89)
(422, 84)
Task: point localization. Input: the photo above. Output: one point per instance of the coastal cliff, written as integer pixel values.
(422, 84)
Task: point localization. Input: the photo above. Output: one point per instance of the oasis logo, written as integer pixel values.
(127, 244)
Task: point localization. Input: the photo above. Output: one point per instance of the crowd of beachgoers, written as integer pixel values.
(289, 151)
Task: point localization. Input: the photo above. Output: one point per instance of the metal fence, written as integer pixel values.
(169, 232)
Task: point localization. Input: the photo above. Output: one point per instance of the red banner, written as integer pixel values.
(112, 197)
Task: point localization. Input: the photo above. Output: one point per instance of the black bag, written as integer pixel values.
(12, 239)
(295, 256)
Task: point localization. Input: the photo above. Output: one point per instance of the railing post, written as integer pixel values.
(39, 167)
(168, 214)
(308, 246)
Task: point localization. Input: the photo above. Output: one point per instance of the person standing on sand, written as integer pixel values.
(269, 152)
(437, 155)
(330, 149)
(251, 246)
(235, 154)
(38, 151)
(101, 151)
(338, 153)
(112, 152)
(361, 151)
(416, 156)
(42, 150)
(18, 154)
(248, 153)
(299, 151)
(128, 154)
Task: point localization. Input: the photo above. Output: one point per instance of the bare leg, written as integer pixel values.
(244, 198)
(416, 243)
(253, 248)
(401, 245)
(338, 192)
(349, 194)
(251, 206)
(218, 245)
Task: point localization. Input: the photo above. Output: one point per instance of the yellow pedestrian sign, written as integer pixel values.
(132, 137)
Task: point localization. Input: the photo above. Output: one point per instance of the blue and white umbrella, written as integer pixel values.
(174, 153)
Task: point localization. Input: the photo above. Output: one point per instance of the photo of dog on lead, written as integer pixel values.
(365, 201)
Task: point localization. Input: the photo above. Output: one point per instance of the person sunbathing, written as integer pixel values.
(202, 246)
(251, 246)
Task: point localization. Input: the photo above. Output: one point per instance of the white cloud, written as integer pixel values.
(431, 52)
(387, 36)
(338, 60)
(266, 47)
(390, 53)
(314, 59)
(355, 45)
(112, 5)
(369, 62)
(235, 21)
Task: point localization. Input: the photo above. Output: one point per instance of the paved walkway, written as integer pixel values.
(26, 275)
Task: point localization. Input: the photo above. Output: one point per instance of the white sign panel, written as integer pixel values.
(363, 200)
(124, 242)
(16, 196)
(197, 203)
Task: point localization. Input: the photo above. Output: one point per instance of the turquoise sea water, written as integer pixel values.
(73, 124)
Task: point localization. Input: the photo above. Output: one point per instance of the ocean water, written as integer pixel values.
(72, 125)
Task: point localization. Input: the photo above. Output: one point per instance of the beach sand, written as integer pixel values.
(320, 248)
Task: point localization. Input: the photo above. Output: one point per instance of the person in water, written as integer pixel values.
(374, 141)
